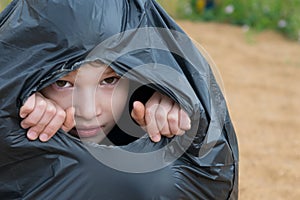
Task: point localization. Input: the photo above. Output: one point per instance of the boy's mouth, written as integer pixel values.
(87, 132)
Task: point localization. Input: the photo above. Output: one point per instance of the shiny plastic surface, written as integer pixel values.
(41, 41)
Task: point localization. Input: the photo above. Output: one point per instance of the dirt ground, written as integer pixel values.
(261, 75)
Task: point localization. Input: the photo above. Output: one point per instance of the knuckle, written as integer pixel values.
(51, 110)
(160, 116)
(41, 104)
(172, 119)
(149, 112)
(61, 114)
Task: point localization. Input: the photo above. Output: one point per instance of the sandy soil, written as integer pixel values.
(260, 73)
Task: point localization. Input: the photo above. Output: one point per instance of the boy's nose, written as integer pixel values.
(85, 106)
(85, 111)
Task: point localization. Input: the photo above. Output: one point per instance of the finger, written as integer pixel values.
(28, 106)
(36, 130)
(173, 120)
(138, 113)
(184, 121)
(161, 115)
(36, 115)
(69, 122)
(53, 126)
(151, 126)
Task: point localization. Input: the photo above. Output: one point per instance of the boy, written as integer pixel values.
(44, 113)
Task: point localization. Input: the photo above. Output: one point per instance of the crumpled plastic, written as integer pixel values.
(41, 41)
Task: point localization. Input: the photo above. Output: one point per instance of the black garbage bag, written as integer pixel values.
(41, 41)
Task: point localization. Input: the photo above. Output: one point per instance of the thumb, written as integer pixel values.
(69, 122)
(138, 113)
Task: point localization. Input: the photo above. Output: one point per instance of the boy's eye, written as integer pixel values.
(110, 81)
(63, 84)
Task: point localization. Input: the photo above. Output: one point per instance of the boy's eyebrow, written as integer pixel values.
(72, 74)
(109, 70)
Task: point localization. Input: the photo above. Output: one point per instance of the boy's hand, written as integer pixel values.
(44, 117)
(161, 116)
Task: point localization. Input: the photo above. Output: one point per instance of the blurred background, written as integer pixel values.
(255, 47)
(3, 3)
(278, 15)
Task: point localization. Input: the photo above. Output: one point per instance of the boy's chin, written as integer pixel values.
(96, 139)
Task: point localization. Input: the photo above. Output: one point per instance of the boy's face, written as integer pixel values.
(98, 94)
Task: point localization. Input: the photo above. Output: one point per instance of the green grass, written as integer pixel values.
(258, 15)
(3, 4)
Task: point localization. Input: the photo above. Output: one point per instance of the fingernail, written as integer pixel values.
(32, 135)
(43, 137)
(156, 138)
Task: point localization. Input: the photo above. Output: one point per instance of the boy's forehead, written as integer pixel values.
(98, 64)
(105, 68)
